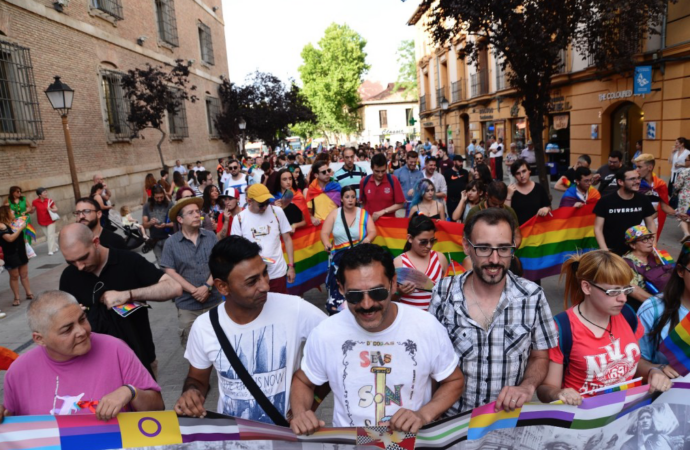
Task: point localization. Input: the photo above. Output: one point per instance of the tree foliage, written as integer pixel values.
(267, 106)
(407, 72)
(528, 36)
(331, 75)
(153, 92)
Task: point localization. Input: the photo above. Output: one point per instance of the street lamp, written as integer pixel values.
(444, 107)
(60, 96)
(243, 125)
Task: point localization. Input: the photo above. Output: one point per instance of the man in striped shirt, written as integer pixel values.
(350, 174)
(500, 324)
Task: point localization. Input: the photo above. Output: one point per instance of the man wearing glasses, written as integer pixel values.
(500, 324)
(88, 212)
(265, 224)
(380, 357)
(235, 180)
(621, 210)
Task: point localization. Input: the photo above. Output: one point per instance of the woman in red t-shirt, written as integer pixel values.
(605, 350)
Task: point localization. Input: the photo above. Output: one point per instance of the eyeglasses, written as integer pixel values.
(324, 172)
(378, 294)
(427, 242)
(647, 238)
(191, 213)
(615, 292)
(686, 268)
(486, 251)
(633, 179)
(84, 212)
(234, 167)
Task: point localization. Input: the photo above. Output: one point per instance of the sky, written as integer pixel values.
(269, 35)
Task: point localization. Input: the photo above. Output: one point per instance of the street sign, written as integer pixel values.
(643, 80)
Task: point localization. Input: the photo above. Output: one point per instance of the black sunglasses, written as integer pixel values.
(264, 204)
(378, 294)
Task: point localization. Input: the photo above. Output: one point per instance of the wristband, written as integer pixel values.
(132, 390)
(209, 286)
(291, 265)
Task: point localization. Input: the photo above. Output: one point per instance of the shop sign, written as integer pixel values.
(615, 95)
(643, 80)
(560, 122)
(486, 113)
(428, 124)
(387, 131)
(559, 104)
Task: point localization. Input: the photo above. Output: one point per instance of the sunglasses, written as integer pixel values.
(324, 172)
(378, 294)
(615, 292)
(264, 204)
(427, 242)
(234, 167)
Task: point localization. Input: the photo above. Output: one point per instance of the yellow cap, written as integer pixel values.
(259, 192)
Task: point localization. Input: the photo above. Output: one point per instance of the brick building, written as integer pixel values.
(89, 44)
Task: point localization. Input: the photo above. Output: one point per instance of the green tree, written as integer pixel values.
(331, 75)
(407, 73)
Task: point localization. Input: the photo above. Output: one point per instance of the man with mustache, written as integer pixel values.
(89, 213)
(501, 324)
(379, 357)
(266, 330)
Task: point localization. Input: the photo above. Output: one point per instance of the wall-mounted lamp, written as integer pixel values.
(140, 40)
(215, 8)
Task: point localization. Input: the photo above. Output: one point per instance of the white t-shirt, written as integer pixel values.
(372, 375)
(269, 347)
(678, 158)
(496, 147)
(224, 179)
(240, 184)
(198, 169)
(265, 229)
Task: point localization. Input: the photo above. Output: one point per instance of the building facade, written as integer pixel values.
(90, 44)
(588, 115)
(386, 117)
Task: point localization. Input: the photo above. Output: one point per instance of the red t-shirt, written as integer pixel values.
(377, 197)
(42, 212)
(597, 362)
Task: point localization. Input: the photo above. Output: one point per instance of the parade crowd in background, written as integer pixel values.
(404, 341)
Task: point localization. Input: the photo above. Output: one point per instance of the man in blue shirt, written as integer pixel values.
(409, 175)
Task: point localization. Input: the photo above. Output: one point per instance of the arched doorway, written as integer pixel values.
(626, 129)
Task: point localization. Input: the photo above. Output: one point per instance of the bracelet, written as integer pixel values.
(291, 265)
(132, 390)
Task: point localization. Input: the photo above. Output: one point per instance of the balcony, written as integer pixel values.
(500, 81)
(456, 93)
(441, 94)
(480, 83)
(422, 104)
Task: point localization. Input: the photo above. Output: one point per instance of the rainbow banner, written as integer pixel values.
(548, 241)
(676, 347)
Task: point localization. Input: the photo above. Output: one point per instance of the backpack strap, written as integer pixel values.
(565, 337)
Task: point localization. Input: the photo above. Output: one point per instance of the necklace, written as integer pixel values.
(487, 319)
(608, 330)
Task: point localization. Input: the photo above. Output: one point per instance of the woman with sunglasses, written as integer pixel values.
(418, 254)
(650, 273)
(660, 313)
(349, 226)
(604, 332)
(424, 202)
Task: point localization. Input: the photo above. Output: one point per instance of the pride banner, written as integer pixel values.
(534, 426)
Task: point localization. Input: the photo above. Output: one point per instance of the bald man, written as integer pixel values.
(104, 279)
(72, 368)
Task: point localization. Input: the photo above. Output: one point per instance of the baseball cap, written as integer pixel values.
(259, 192)
(458, 158)
(636, 232)
(232, 192)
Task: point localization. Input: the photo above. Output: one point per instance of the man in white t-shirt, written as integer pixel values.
(265, 329)
(265, 224)
(234, 179)
(496, 154)
(198, 167)
(379, 357)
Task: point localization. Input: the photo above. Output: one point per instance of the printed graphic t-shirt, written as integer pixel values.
(619, 215)
(37, 385)
(598, 362)
(269, 348)
(372, 375)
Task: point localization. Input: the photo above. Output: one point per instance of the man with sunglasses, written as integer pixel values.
(379, 357)
(265, 224)
(236, 180)
(323, 195)
(621, 210)
(88, 212)
(500, 324)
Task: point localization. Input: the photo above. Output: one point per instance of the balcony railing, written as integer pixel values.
(422, 104)
(500, 80)
(479, 82)
(456, 94)
(441, 94)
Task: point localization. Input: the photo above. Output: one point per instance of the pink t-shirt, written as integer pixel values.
(37, 385)
(598, 362)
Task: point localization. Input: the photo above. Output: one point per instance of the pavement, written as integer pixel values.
(45, 271)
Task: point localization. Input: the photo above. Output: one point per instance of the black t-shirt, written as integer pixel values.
(619, 215)
(124, 270)
(456, 181)
(607, 184)
(526, 206)
(108, 239)
(570, 174)
(293, 214)
(445, 165)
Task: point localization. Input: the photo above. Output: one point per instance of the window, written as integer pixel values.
(212, 111)
(116, 108)
(408, 117)
(111, 7)
(206, 44)
(177, 121)
(383, 118)
(167, 24)
(19, 114)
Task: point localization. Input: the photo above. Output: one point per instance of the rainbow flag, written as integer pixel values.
(548, 241)
(565, 181)
(311, 260)
(455, 268)
(676, 347)
(664, 257)
(626, 385)
(30, 232)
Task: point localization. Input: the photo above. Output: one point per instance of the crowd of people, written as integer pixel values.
(389, 351)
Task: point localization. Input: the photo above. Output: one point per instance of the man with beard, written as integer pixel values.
(372, 344)
(266, 329)
(101, 279)
(88, 212)
(621, 210)
(501, 325)
(606, 175)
